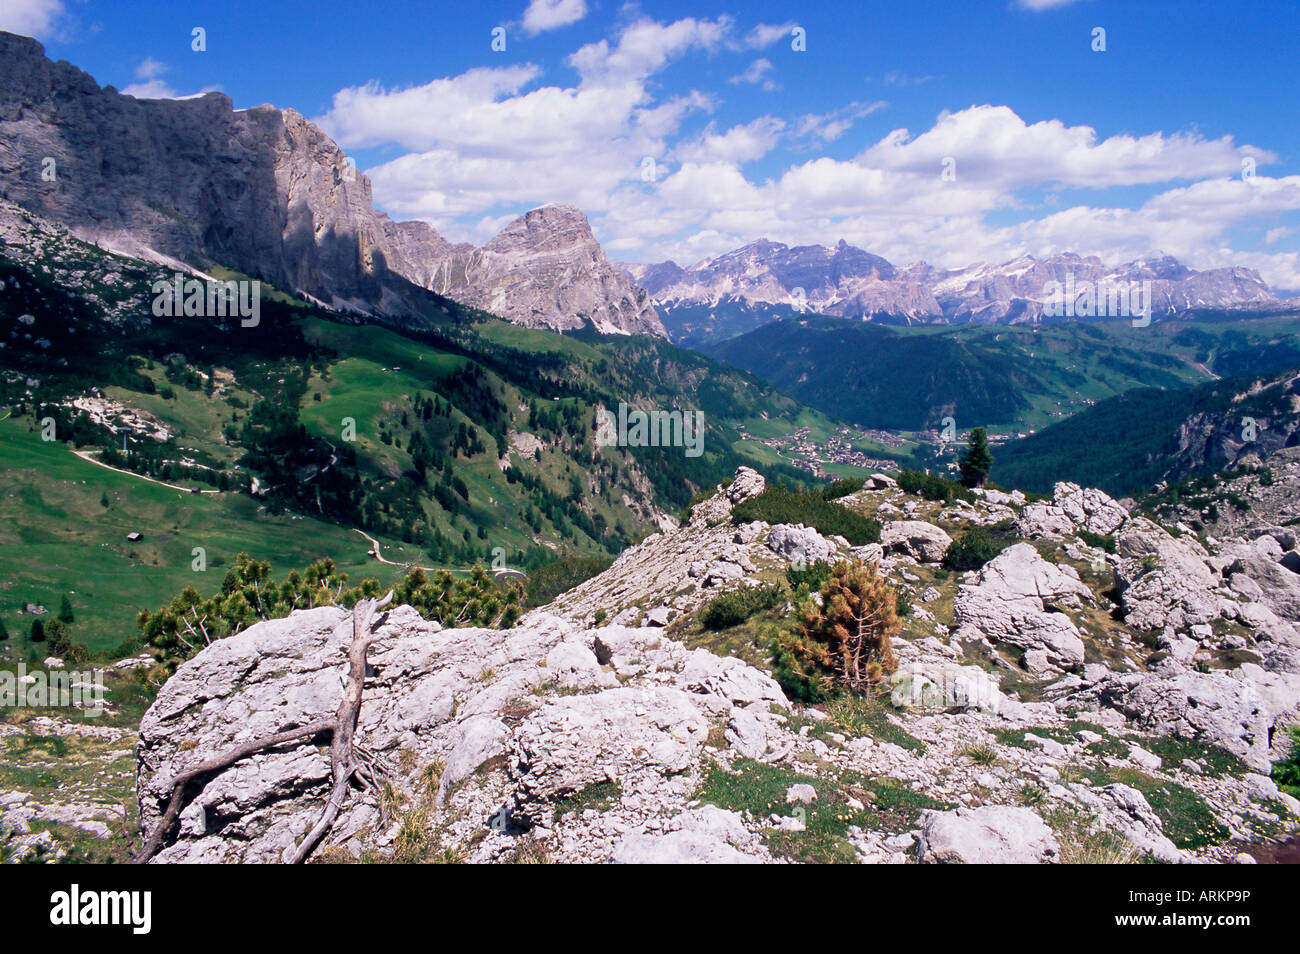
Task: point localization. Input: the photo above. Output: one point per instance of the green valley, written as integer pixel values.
(458, 442)
(1010, 378)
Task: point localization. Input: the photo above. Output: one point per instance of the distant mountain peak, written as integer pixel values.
(546, 269)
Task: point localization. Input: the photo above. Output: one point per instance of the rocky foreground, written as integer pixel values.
(1063, 703)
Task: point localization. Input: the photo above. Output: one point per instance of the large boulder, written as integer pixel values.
(988, 835)
(1014, 601)
(1072, 508)
(923, 542)
(274, 676)
(517, 719)
(800, 545)
(1164, 580)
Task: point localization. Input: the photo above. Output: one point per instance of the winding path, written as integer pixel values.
(87, 455)
(379, 554)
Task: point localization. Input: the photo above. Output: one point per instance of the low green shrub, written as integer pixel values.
(551, 579)
(1287, 772)
(902, 603)
(842, 488)
(735, 606)
(1102, 541)
(978, 545)
(800, 681)
(780, 504)
(933, 487)
(810, 580)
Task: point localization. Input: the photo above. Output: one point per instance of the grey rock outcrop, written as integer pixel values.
(488, 705)
(1072, 508)
(617, 735)
(796, 543)
(1008, 603)
(1163, 580)
(923, 542)
(991, 834)
(682, 568)
(1262, 572)
(608, 743)
(1238, 711)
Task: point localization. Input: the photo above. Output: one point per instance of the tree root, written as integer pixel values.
(345, 761)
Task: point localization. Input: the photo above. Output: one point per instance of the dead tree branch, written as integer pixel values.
(345, 762)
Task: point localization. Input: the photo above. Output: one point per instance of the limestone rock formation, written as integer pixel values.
(992, 834)
(473, 700)
(546, 270)
(1228, 709)
(1073, 508)
(923, 542)
(632, 743)
(797, 543)
(1008, 604)
(684, 568)
(1164, 580)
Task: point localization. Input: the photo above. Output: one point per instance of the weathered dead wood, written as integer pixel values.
(344, 760)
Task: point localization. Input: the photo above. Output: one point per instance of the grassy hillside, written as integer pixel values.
(63, 527)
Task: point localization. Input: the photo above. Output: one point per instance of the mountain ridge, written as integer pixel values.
(848, 282)
(266, 192)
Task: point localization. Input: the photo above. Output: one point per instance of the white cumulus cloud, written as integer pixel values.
(543, 15)
(625, 146)
(36, 18)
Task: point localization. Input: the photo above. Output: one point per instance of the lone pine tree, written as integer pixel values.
(978, 460)
(849, 634)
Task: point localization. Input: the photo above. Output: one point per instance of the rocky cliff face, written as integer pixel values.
(266, 192)
(619, 737)
(851, 283)
(260, 190)
(1262, 419)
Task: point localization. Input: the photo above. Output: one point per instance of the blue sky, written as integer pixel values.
(1051, 145)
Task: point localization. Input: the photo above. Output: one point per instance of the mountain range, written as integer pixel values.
(266, 192)
(738, 291)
